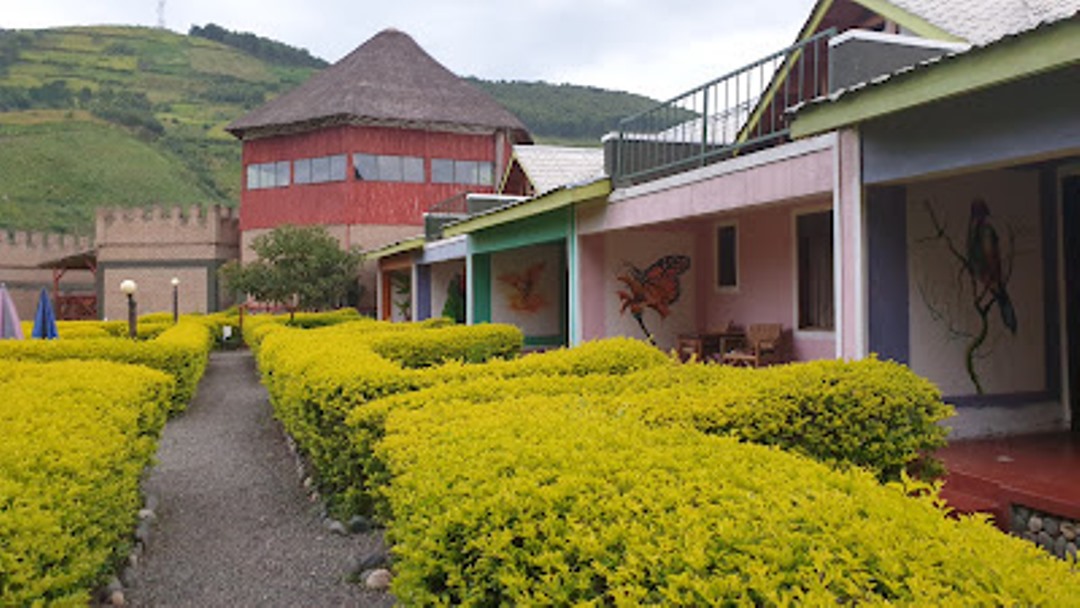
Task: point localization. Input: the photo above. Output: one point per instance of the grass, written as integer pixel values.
(57, 173)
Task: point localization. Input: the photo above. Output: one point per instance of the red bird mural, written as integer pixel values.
(656, 287)
(524, 297)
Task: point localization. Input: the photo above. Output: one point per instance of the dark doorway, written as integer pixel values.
(1070, 188)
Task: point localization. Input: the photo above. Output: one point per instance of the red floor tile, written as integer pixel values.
(1038, 471)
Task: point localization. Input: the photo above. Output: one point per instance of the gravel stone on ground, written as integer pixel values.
(233, 525)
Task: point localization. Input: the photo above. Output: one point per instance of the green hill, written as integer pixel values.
(93, 116)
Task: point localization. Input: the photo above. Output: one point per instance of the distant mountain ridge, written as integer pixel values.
(110, 115)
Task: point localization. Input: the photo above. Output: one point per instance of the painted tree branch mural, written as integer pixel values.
(656, 287)
(524, 289)
(983, 274)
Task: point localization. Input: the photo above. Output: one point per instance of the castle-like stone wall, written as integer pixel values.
(21, 255)
(153, 245)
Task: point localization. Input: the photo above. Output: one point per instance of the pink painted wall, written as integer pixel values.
(761, 192)
(850, 239)
(766, 291)
(590, 275)
(806, 173)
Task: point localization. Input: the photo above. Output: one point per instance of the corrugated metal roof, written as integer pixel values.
(1054, 17)
(981, 22)
(550, 167)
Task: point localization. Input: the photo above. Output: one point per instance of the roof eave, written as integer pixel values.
(909, 20)
(261, 131)
(550, 201)
(1056, 47)
(393, 249)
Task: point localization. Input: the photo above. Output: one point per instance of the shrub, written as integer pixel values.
(75, 437)
(475, 344)
(545, 501)
(182, 351)
(81, 330)
(256, 327)
(872, 414)
(316, 377)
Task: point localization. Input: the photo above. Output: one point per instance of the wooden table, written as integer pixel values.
(709, 346)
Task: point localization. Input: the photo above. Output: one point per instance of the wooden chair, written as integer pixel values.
(690, 347)
(764, 346)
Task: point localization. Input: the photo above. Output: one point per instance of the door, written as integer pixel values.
(1070, 190)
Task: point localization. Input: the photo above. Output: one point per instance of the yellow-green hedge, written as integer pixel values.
(315, 377)
(552, 502)
(75, 437)
(181, 350)
(873, 414)
(78, 330)
(475, 344)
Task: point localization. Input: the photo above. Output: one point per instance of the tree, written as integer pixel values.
(300, 267)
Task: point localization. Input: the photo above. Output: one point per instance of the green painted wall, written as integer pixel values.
(544, 228)
(481, 282)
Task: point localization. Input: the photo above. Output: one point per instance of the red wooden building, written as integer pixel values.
(367, 145)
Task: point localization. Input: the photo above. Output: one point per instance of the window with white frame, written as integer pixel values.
(267, 175)
(816, 298)
(727, 256)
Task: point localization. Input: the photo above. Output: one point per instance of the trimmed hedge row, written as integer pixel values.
(873, 414)
(315, 377)
(75, 437)
(550, 501)
(182, 351)
(595, 475)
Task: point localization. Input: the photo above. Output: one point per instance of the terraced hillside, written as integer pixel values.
(121, 115)
(93, 116)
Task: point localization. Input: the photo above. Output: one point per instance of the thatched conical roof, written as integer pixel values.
(387, 80)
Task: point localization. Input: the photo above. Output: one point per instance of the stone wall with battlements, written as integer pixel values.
(156, 244)
(21, 255)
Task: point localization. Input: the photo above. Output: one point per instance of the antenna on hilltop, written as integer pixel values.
(161, 14)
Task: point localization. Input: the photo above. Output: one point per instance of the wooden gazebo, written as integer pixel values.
(73, 306)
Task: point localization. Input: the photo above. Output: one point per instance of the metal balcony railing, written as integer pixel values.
(741, 111)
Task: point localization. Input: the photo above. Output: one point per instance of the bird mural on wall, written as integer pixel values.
(524, 296)
(656, 287)
(986, 266)
(984, 262)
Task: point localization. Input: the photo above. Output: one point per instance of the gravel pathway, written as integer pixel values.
(234, 526)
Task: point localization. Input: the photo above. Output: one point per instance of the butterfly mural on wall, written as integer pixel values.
(524, 294)
(656, 287)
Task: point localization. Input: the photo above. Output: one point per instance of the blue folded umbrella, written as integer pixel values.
(44, 318)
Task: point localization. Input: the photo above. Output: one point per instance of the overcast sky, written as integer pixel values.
(659, 48)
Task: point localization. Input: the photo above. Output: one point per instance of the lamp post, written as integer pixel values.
(175, 299)
(128, 287)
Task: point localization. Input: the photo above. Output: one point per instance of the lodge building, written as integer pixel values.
(367, 145)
